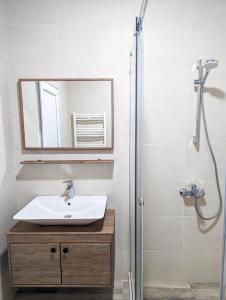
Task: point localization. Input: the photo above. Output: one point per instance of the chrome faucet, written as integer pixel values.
(192, 191)
(69, 189)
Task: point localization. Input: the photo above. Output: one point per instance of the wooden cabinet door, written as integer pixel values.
(35, 264)
(85, 264)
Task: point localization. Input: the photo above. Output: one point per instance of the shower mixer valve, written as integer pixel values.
(192, 191)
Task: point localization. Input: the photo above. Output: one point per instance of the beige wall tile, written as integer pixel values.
(198, 236)
(30, 12)
(156, 130)
(163, 266)
(34, 44)
(8, 201)
(163, 233)
(202, 266)
(164, 162)
(172, 45)
(162, 198)
(55, 40)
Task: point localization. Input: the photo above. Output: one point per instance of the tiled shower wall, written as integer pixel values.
(75, 39)
(178, 246)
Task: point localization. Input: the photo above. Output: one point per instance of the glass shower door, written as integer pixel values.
(136, 180)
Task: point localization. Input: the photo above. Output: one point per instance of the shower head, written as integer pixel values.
(210, 64)
(204, 68)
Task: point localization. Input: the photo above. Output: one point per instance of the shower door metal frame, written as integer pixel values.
(139, 160)
(136, 201)
(137, 165)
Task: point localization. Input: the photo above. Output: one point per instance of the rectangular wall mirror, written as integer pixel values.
(67, 113)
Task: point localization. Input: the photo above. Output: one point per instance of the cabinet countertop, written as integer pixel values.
(101, 227)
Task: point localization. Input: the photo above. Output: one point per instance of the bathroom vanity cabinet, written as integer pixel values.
(67, 256)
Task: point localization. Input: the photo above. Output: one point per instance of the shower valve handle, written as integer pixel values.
(192, 191)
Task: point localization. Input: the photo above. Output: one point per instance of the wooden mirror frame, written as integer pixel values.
(21, 115)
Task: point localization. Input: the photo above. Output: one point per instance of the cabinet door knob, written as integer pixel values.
(65, 250)
(53, 249)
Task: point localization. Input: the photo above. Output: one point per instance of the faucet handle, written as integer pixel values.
(192, 191)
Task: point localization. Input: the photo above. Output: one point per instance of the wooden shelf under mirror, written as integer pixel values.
(61, 162)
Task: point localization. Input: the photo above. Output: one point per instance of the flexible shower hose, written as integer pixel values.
(218, 213)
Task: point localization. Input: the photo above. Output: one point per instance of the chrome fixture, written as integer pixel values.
(203, 71)
(143, 10)
(70, 193)
(192, 191)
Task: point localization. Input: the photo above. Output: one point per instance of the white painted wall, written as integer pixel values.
(74, 38)
(176, 34)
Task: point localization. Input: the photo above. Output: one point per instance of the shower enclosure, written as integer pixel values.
(194, 260)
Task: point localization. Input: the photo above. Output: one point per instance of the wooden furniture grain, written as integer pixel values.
(86, 262)
(75, 161)
(62, 256)
(35, 263)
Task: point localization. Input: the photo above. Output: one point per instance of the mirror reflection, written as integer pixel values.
(67, 113)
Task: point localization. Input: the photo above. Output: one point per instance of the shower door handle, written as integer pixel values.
(141, 201)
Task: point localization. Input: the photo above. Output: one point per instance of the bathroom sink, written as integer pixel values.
(55, 210)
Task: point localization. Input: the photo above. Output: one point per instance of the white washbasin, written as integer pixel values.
(54, 210)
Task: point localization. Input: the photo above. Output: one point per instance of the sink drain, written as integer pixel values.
(67, 216)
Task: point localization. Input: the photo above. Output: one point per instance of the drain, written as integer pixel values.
(67, 216)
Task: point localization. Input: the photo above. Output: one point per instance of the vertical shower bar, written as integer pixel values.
(196, 137)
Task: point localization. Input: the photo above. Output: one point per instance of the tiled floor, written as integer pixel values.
(120, 292)
(187, 292)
